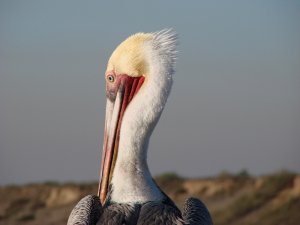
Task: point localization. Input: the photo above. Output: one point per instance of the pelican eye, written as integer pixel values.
(110, 78)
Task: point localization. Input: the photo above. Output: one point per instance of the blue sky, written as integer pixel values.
(234, 104)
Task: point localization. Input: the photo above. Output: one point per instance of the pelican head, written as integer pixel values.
(138, 82)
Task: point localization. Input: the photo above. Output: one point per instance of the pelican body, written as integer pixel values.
(138, 82)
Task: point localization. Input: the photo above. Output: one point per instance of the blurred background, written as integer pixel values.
(234, 107)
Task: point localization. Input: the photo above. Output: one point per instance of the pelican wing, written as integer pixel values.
(87, 211)
(196, 213)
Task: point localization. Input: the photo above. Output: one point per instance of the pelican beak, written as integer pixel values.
(118, 98)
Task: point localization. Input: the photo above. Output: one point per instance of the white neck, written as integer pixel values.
(132, 181)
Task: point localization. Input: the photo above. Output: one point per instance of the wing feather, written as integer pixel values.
(87, 211)
(196, 213)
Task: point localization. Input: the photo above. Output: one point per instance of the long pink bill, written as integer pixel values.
(128, 87)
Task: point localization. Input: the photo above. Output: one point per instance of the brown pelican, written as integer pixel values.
(138, 82)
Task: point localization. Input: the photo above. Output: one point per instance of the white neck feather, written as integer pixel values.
(132, 181)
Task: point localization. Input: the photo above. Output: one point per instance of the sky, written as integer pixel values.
(234, 104)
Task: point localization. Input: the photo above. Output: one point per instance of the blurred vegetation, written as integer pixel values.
(167, 177)
(171, 182)
(248, 202)
(241, 175)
